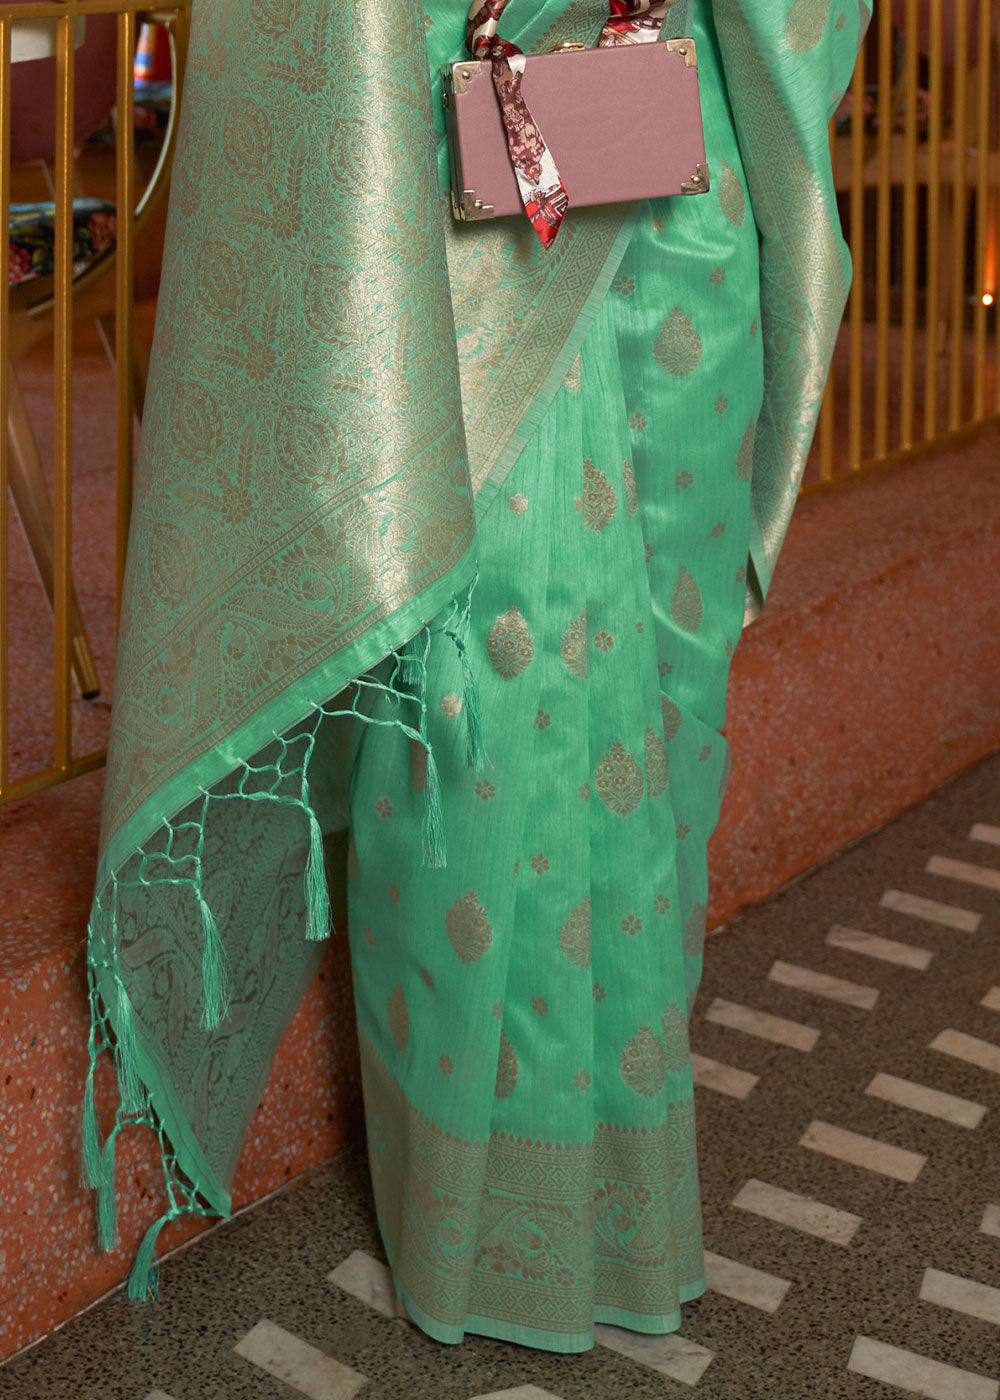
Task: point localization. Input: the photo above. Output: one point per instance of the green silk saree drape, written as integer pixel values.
(341, 383)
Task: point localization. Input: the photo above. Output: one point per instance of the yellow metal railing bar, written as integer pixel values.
(5, 82)
(58, 300)
(908, 352)
(883, 230)
(958, 207)
(983, 139)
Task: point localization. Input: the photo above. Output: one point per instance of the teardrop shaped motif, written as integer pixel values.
(631, 489)
(573, 647)
(643, 1063)
(686, 607)
(732, 196)
(694, 931)
(674, 1030)
(656, 764)
(507, 1068)
(618, 781)
(806, 23)
(744, 458)
(598, 503)
(574, 936)
(399, 1018)
(671, 718)
(677, 348)
(468, 928)
(509, 645)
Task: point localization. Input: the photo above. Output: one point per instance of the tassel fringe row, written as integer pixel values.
(178, 861)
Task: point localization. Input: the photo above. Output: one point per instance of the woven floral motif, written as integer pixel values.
(573, 647)
(598, 503)
(574, 936)
(507, 1068)
(468, 928)
(509, 645)
(644, 1063)
(618, 781)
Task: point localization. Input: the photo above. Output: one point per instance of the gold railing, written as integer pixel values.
(917, 168)
(52, 28)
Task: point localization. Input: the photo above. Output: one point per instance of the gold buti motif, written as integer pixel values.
(507, 1068)
(643, 1063)
(573, 647)
(631, 490)
(468, 928)
(574, 936)
(674, 1031)
(744, 458)
(806, 23)
(399, 1019)
(656, 764)
(618, 781)
(686, 605)
(598, 504)
(677, 348)
(732, 196)
(671, 717)
(694, 931)
(509, 645)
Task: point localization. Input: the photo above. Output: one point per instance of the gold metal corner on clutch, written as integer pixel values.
(698, 183)
(686, 48)
(470, 206)
(462, 73)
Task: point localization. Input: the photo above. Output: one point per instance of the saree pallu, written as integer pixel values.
(352, 405)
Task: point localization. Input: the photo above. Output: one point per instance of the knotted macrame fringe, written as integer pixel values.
(113, 1024)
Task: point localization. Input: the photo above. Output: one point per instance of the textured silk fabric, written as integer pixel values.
(523, 1013)
(338, 371)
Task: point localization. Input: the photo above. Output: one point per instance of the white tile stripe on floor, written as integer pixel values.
(992, 999)
(918, 1374)
(964, 870)
(368, 1280)
(158, 1395)
(962, 1295)
(798, 1212)
(855, 940)
(304, 1368)
(991, 1221)
(962, 1112)
(724, 1079)
(821, 984)
(520, 1392)
(743, 1283)
(982, 1053)
(860, 1151)
(935, 913)
(761, 1024)
(670, 1354)
(982, 832)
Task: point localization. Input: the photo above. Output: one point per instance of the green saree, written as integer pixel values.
(448, 540)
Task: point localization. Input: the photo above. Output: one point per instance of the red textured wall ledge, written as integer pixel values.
(873, 674)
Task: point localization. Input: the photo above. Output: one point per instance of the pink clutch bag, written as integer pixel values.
(622, 123)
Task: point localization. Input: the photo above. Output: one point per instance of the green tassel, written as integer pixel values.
(90, 1159)
(473, 712)
(144, 1279)
(107, 1216)
(214, 981)
(126, 1055)
(434, 851)
(318, 915)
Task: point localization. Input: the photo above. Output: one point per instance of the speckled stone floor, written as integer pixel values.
(850, 1182)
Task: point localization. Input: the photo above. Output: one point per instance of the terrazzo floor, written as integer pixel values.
(847, 1044)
